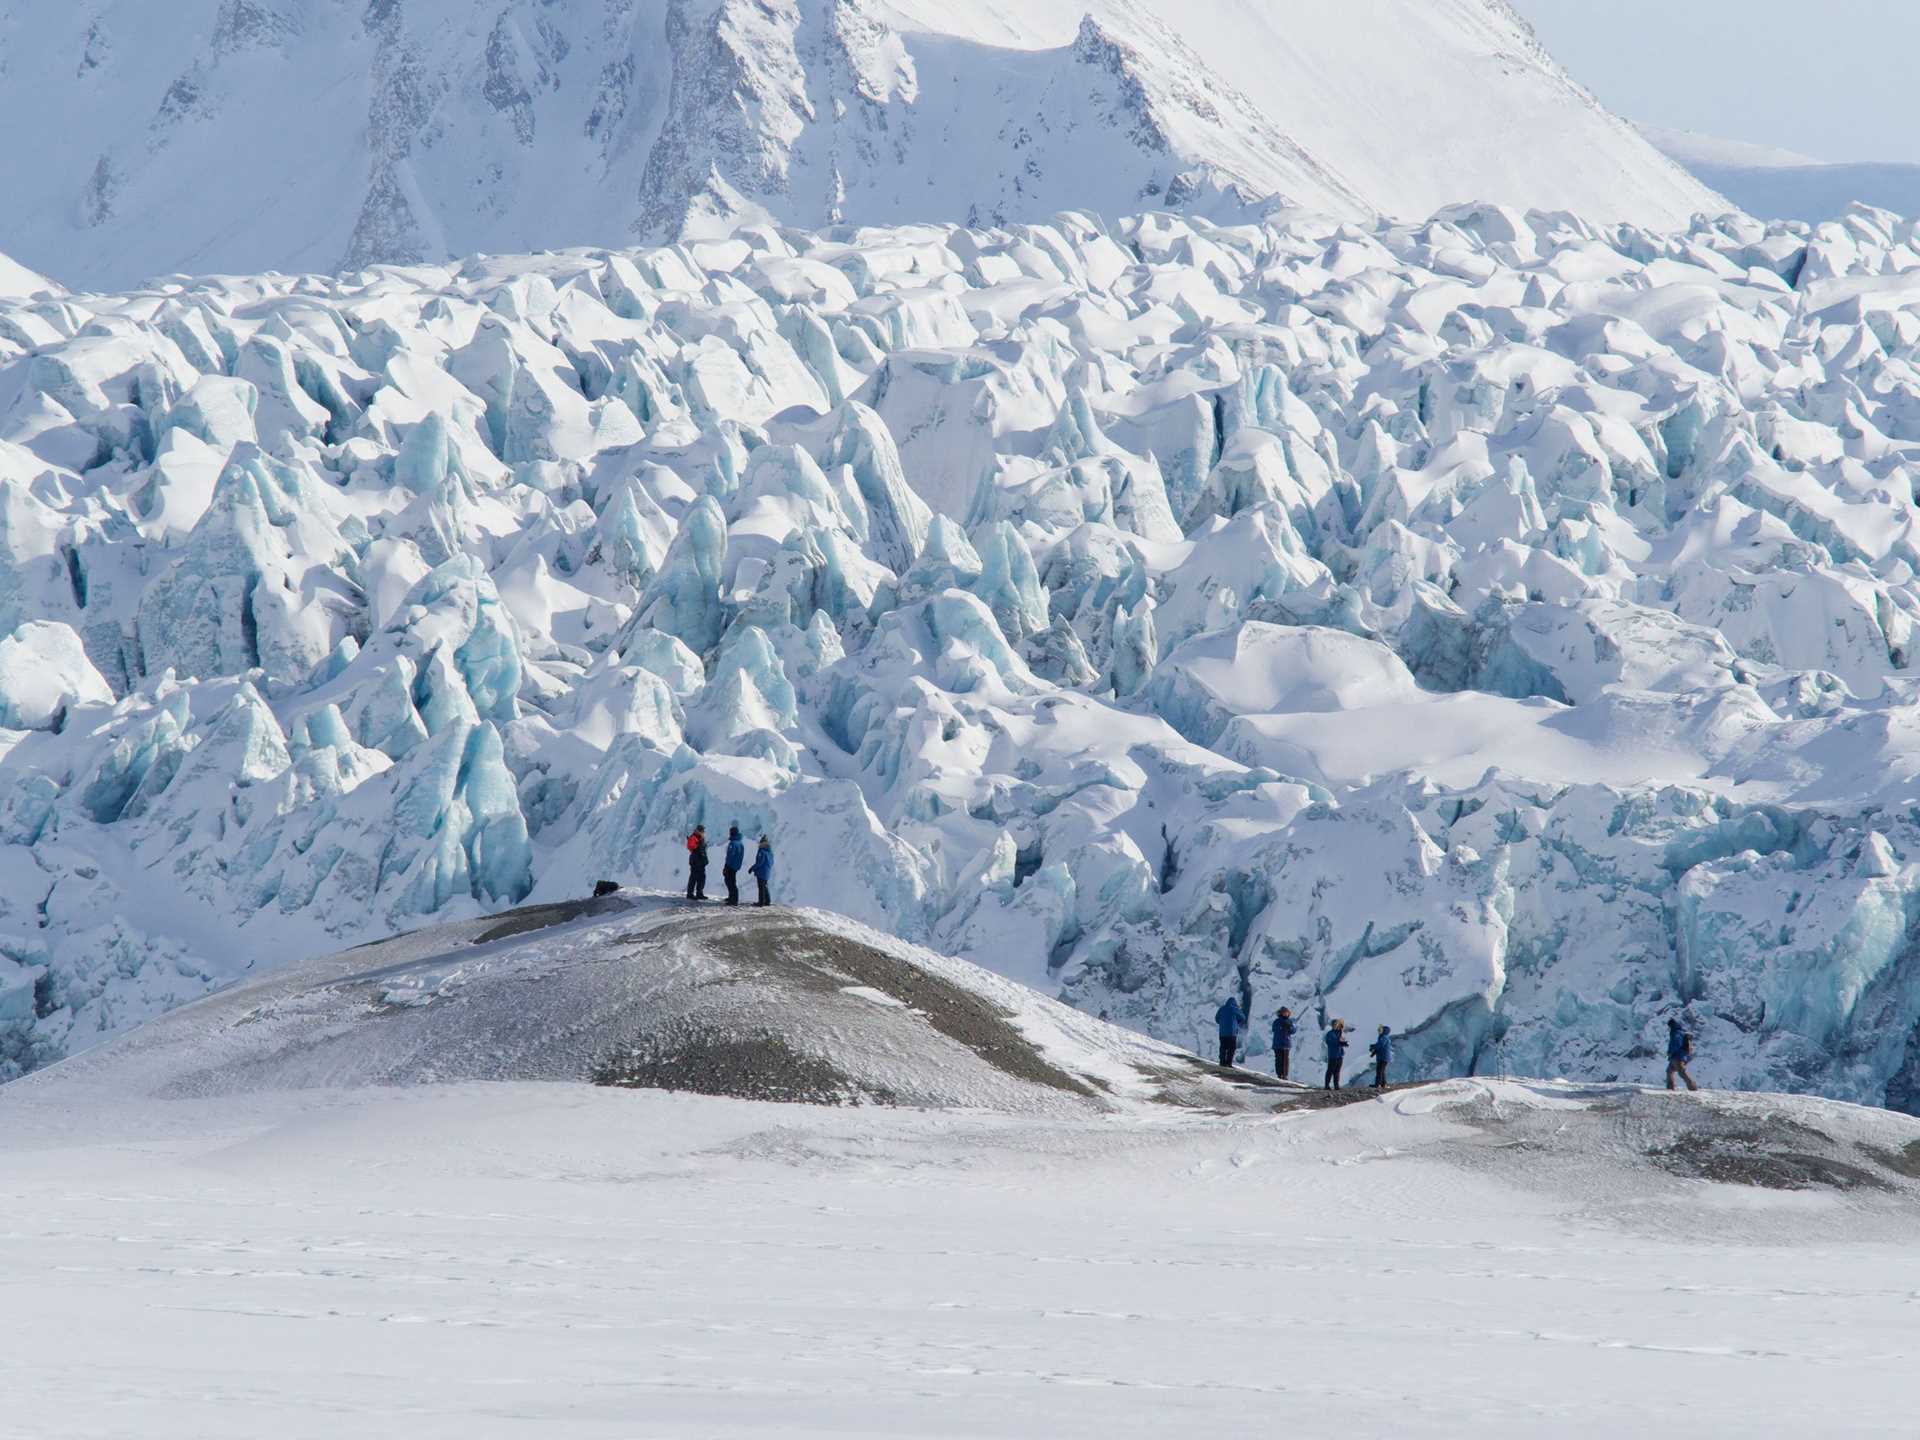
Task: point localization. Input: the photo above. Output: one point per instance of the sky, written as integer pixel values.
(1828, 78)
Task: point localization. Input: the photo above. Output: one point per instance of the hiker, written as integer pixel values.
(1282, 1041)
(730, 869)
(1232, 1020)
(1336, 1053)
(763, 869)
(1382, 1049)
(1679, 1052)
(697, 863)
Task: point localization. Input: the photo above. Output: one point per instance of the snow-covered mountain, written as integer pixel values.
(1782, 185)
(1501, 626)
(246, 135)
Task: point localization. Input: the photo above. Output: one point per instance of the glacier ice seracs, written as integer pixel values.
(1502, 626)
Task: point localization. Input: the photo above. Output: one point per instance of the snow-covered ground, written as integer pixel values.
(373, 1194)
(646, 990)
(479, 1260)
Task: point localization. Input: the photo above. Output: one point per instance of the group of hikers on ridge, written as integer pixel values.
(761, 870)
(1232, 1018)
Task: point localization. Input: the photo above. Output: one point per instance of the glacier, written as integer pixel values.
(1500, 626)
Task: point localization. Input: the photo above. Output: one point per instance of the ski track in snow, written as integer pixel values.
(509, 1260)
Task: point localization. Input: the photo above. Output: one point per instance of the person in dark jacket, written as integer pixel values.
(1336, 1053)
(763, 870)
(1679, 1052)
(1282, 1041)
(1382, 1049)
(697, 863)
(1232, 1020)
(730, 867)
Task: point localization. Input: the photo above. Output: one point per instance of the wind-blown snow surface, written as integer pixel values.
(504, 1260)
(1499, 627)
(245, 135)
(345, 1174)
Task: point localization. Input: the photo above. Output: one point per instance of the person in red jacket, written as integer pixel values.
(697, 863)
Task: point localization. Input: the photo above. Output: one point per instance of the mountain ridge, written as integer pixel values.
(248, 135)
(1782, 185)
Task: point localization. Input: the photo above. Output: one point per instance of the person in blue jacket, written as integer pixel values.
(1382, 1049)
(1336, 1053)
(1231, 1020)
(736, 857)
(1679, 1052)
(1282, 1041)
(763, 870)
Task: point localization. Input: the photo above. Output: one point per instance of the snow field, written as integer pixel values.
(486, 1260)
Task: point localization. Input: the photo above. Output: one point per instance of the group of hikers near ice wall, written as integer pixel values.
(1234, 1016)
(761, 870)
